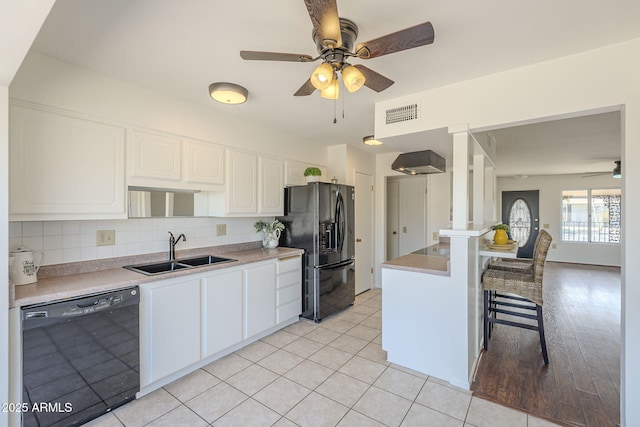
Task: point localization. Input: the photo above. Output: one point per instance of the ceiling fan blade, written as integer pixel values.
(592, 174)
(325, 20)
(306, 89)
(419, 35)
(274, 56)
(374, 80)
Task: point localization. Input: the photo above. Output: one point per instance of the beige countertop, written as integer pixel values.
(428, 260)
(63, 286)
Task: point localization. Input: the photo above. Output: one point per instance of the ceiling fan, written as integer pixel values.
(617, 171)
(335, 40)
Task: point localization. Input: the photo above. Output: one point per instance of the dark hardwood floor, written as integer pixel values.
(581, 384)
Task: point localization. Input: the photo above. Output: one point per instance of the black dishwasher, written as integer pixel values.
(80, 357)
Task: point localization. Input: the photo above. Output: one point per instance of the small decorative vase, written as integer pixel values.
(313, 178)
(271, 239)
(500, 237)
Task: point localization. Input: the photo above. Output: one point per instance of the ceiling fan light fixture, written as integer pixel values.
(332, 91)
(352, 78)
(371, 140)
(322, 76)
(228, 93)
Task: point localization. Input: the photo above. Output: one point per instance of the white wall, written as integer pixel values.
(597, 80)
(359, 161)
(344, 160)
(20, 22)
(551, 188)
(4, 254)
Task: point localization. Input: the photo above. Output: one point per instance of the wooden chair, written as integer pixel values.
(506, 291)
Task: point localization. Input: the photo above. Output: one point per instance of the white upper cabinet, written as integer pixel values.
(64, 166)
(295, 173)
(254, 186)
(167, 161)
(242, 188)
(271, 191)
(202, 162)
(154, 155)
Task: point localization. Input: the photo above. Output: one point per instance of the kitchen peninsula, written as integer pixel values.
(432, 305)
(417, 299)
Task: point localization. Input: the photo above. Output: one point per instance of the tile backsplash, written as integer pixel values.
(73, 241)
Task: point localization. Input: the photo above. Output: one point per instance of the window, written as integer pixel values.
(591, 216)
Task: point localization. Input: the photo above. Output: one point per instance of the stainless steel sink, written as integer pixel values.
(169, 266)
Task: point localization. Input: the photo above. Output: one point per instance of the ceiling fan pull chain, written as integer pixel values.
(335, 102)
(343, 106)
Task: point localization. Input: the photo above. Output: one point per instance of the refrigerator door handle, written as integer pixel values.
(340, 225)
(337, 266)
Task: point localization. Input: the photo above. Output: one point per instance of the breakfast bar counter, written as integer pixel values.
(430, 260)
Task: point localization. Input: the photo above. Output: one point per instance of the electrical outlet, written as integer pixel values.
(545, 225)
(553, 246)
(221, 229)
(105, 237)
(404, 230)
(435, 235)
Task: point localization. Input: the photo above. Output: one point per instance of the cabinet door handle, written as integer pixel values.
(358, 240)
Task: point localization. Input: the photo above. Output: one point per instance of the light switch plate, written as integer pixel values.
(221, 229)
(435, 235)
(105, 237)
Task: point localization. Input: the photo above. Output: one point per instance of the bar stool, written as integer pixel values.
(517, 265)
(506, 290)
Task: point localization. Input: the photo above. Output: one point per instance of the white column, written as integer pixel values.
(478, 188)
(4, 250)
(460, 179)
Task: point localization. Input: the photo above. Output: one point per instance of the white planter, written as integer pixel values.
(311, 178)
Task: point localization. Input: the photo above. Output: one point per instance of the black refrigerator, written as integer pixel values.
(319, 218)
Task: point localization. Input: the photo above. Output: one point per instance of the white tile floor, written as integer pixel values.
(330, 374)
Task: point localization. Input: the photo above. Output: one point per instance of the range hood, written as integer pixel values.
(419, 163)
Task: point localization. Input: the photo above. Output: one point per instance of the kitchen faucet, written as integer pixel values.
(172, 244)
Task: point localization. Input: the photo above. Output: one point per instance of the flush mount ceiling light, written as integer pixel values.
(371, 140)
(228, 93)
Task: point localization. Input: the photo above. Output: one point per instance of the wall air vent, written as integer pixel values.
(402, 114)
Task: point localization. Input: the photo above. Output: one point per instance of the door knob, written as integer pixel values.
(395, 232)
(535, 228)
(358, 240)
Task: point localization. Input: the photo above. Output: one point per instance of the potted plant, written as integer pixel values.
(271, 231)
(500, 237)
(312, 174)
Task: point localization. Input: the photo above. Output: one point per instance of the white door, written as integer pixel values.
(393, 219)
(364, 232)
(413, 214)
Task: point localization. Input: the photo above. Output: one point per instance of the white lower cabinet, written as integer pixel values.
(288, 288)
(260, 299)
(222, 311)
(170, 328)
(190, 321)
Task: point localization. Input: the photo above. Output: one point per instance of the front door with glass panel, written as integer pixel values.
(520, 210)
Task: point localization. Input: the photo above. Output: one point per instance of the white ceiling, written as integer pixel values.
(180, 47)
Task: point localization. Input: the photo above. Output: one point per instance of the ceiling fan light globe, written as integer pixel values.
(331, 92)
(322, 76)
(352, 78)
